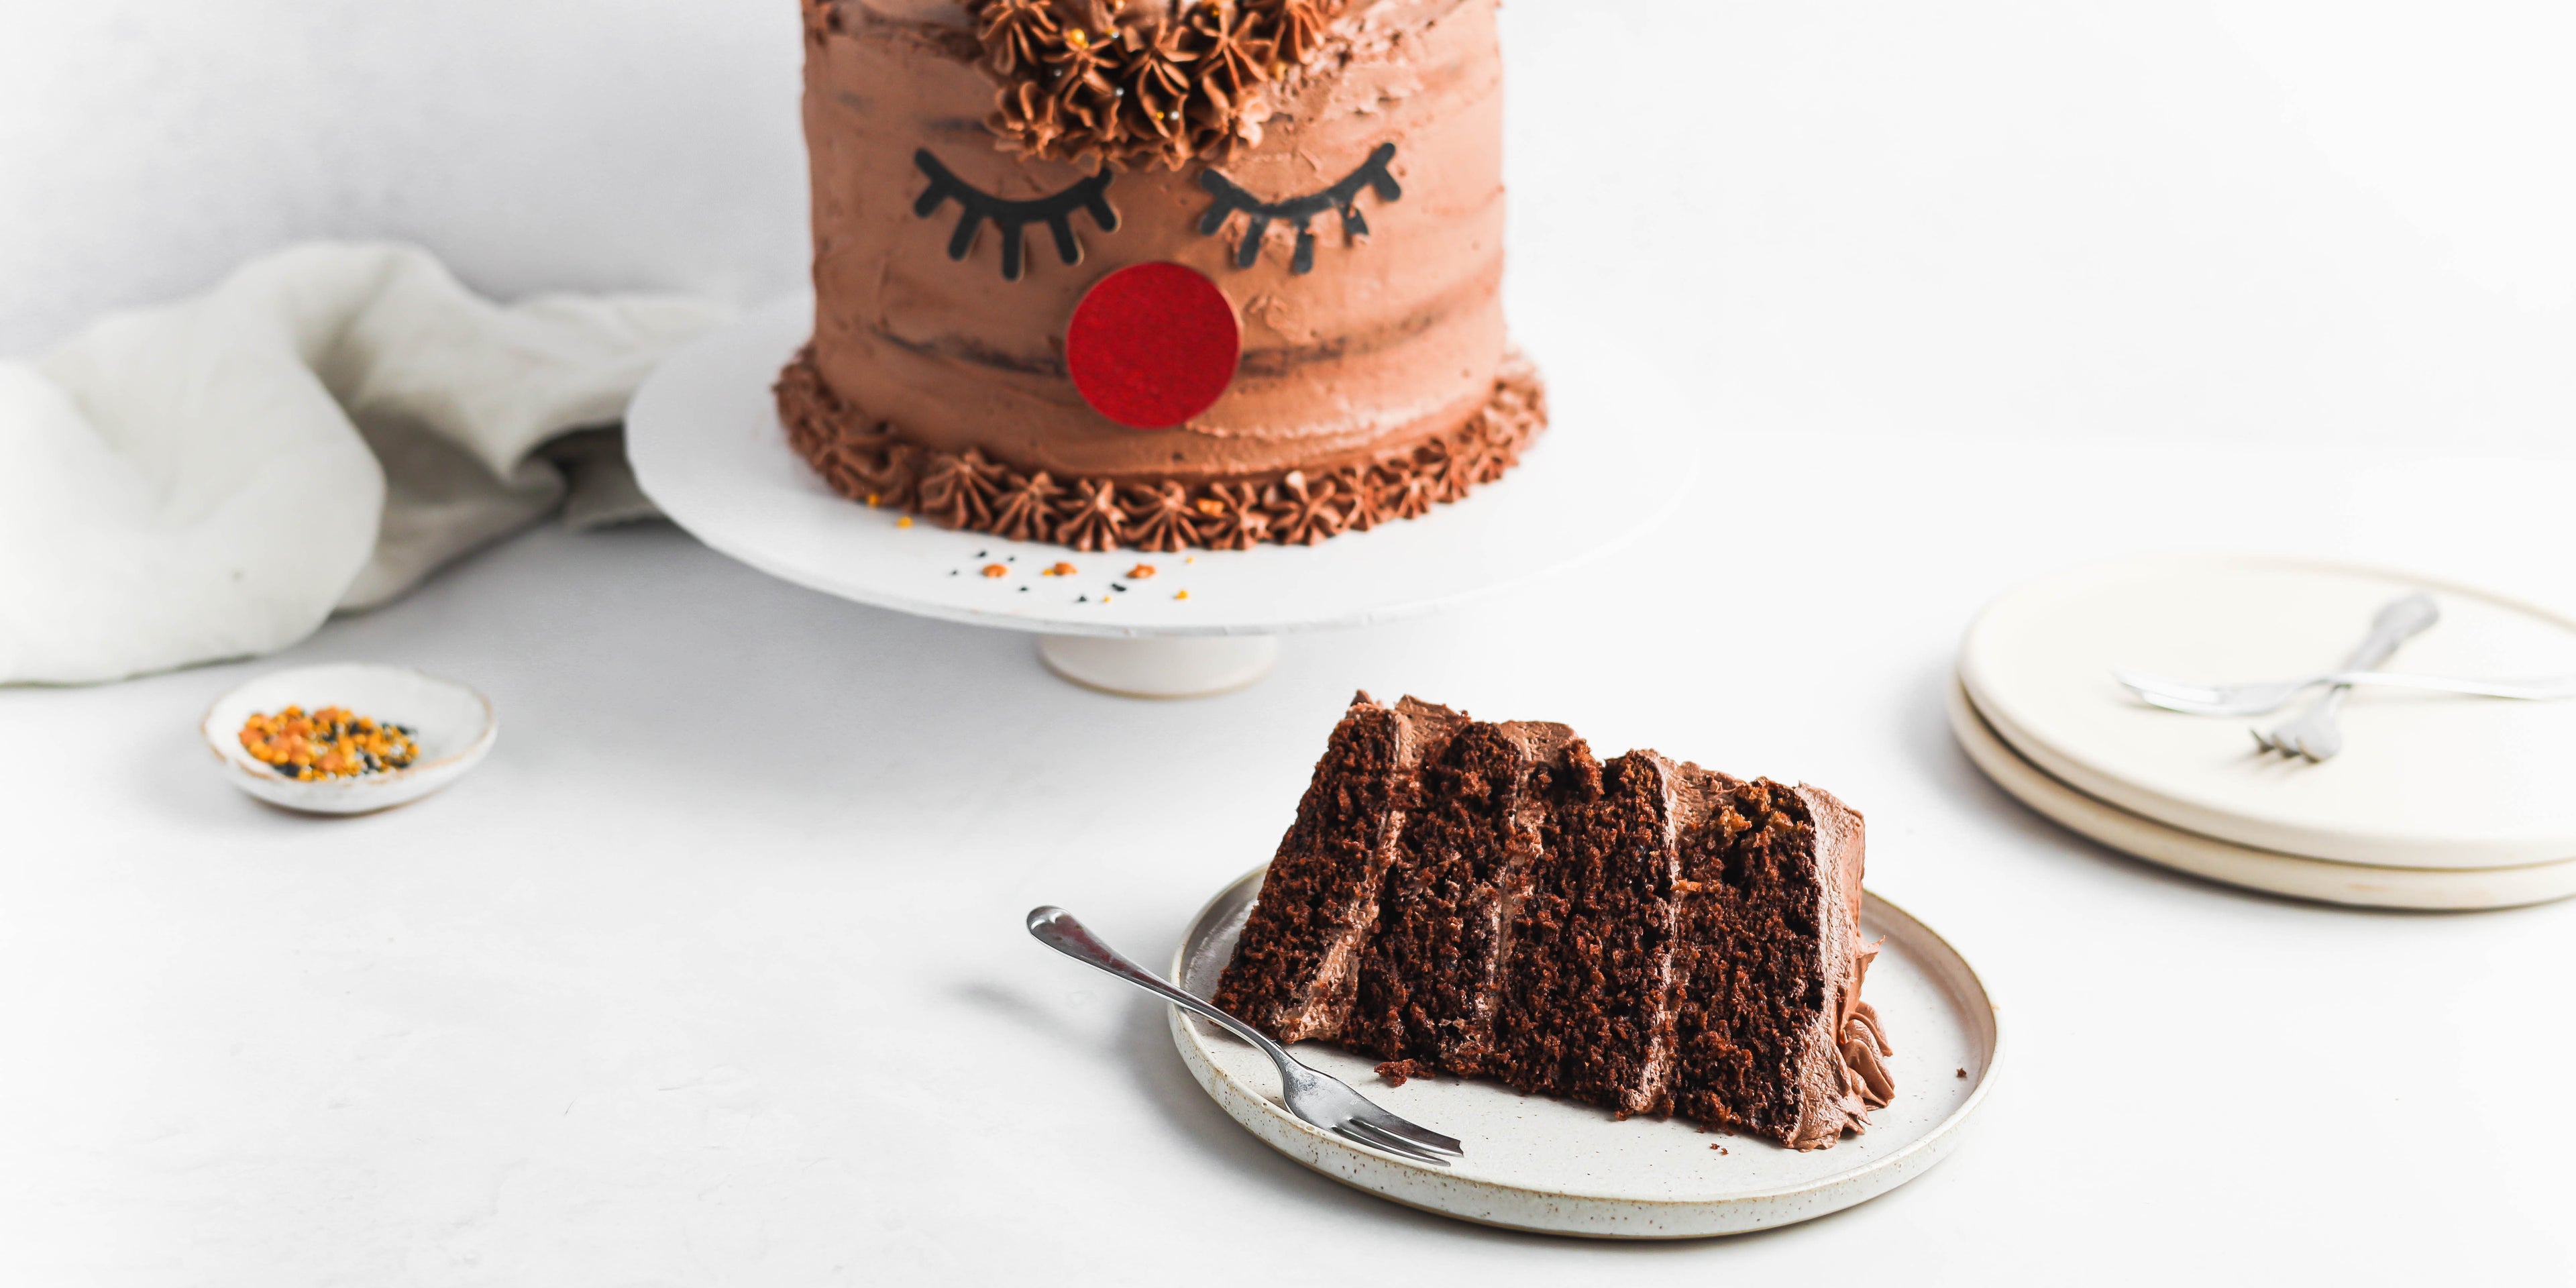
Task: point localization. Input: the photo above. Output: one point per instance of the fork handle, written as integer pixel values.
(1057, 929)
(2401, 620)
(2545, 689)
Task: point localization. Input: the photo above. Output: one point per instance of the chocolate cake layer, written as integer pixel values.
(1769, 970)
(1296, 967)
(1433, 977)
(1586, 1014)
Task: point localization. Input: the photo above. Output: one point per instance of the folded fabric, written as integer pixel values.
(211, 479)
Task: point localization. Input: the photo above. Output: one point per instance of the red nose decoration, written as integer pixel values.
(1152, 345)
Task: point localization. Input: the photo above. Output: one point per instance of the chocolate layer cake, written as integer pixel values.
(1157, 273)
(1645, 935)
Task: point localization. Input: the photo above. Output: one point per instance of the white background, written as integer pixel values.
(713, 973)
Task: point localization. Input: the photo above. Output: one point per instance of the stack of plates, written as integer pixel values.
(2437, 801)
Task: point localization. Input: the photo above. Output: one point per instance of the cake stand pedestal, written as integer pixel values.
(708, 448)
(1161, 666)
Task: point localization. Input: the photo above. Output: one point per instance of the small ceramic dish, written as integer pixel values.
(452, 724)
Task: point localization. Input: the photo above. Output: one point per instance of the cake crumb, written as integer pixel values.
(1399, 1072)
(1141, 571)
(1963, 1073)
(1719, 1148)
(996, 570)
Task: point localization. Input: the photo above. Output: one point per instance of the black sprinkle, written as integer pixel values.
(1010, 559)
(1024, 590)
(1116, 587)
(952, 572)
(288, 770)
(981, 553)
(1083, 600)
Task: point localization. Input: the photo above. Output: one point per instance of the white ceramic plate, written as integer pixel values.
(2360, 885)
(708, 448)
(451, 724)
(1545, 1165)
(2424, 781)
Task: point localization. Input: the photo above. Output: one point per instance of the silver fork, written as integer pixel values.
(2256, 698)
(2315, 733)
(1319, 1098)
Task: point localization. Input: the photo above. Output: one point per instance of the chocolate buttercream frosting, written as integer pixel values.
(871, 461)
(977, 166)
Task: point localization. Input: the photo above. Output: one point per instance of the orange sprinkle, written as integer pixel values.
(873, 499)
(1141, 571)
(1061, 569)
(1181, 595)
(904, 522)
(996, 570)
(1210, 508)
(328, 743)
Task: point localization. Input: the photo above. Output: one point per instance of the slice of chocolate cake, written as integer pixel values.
(1433, 977)
(1296, 968)
(1647, 935)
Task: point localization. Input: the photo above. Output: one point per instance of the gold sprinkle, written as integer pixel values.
(996, 570)
(1183, 594)
(1141, 571)
(1078, 38)
(1189, 558)
(904, 522)
(872, 499)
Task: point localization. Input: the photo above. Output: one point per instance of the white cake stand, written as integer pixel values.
(708, 448)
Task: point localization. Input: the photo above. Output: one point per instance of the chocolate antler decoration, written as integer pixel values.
(1056, 212)
(1343, 196)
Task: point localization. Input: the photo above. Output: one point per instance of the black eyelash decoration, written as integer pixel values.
(1056, 212)
(1298, 210)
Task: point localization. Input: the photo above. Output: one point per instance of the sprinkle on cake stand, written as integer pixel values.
(708, 448)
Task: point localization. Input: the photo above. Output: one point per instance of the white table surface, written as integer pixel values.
(713, 973)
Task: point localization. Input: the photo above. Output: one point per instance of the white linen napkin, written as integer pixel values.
(212, 478)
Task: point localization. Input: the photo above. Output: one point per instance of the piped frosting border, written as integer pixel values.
(869, 460)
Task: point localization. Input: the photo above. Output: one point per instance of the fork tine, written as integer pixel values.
(1411, 1133)
(2262, 741)
(1362, 1133)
